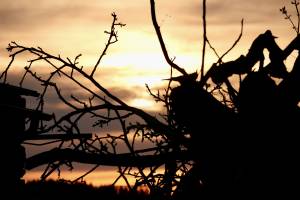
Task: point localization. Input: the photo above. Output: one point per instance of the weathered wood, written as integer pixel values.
(7, 88)
(27, 112)
(13, 113)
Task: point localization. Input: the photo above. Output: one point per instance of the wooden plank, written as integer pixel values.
(11, 89)
(37, 114)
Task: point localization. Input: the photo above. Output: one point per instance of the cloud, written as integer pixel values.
(231, 11)
(31, 14)
(54, 105)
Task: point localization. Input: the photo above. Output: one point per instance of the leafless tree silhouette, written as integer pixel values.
(192, 148)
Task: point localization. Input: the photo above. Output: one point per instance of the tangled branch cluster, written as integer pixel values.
(166, 161)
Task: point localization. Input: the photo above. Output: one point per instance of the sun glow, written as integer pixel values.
(99, 177)
(102, 176)
(146, 104)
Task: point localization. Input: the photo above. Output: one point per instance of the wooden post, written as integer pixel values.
(12, 126)
(13, 113)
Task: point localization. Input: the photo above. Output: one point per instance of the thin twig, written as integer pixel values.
(296, 4)
(212, 48)
(113, 38)
(85, 174)
(284, 11)
(161, 41)
(235, 42)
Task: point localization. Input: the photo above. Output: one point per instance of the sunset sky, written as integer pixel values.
(70, 27)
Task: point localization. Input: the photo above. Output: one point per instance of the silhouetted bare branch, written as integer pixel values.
(178, 142)
(113, 38)
(204, 38)
(161, 41)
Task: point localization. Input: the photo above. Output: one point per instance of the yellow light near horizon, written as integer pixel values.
(152, 81)
(96, 178)
(136, 61)
(145, 104)
(99, 177)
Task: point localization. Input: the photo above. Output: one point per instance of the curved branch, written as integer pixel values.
(161, 41)
(235, 42)
(211, 70)
(151, 121)
(126, 159)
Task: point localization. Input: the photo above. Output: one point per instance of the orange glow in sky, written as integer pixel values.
(102, 176)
